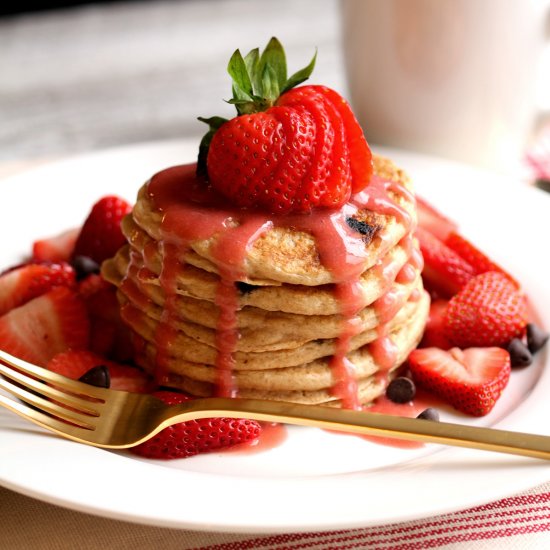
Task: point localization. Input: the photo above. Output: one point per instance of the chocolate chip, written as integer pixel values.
(245, 288)
(362, 227)
(520, 356)
(401, 390)
(97, 376)
(536, 337)
(84, 266)
(543, 183)
(429, 414)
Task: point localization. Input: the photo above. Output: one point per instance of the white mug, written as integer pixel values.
(453, 78)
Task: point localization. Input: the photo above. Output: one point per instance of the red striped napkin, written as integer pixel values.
(521, 521)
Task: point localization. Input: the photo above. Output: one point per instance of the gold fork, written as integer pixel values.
(116, 420)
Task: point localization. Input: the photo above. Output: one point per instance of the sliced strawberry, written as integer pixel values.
(58, 248)
(100, 297)
(129, 378)
(75, 363)
(109, 335)
(470, 380)
(28, 281)
(488, 311)
(101, 235)
(444, 270)
(52, 323)
(480, 262)
(433, 221)
(196, 436)
(434, 333)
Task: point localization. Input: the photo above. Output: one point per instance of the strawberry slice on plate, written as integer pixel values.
(445, 271)
(76, 363)
(109, 335)
(470, 380)
(433, 221)
(22, 284)
(196, 436)
(479, 261)
(45, 326)
(57, 248)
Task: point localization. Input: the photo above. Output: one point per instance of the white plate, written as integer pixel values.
(315, 480)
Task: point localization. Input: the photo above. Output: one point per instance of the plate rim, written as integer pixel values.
(148, 517)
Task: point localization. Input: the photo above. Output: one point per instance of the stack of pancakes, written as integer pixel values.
(288, 316)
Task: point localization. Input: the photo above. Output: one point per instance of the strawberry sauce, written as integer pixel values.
(193, 212)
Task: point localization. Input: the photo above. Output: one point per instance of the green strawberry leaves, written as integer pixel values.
(300, 76)
(213, 123)
(258, 80)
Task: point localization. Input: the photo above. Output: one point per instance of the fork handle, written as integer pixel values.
(367, 423)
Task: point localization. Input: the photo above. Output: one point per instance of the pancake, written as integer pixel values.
(259, 330)
(314, 375)
(368, 390)
(287, 255)
(189, 349)
(297, 299)
(301, 308)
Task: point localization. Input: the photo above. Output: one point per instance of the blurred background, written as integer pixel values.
(91, 75)
(444, 77)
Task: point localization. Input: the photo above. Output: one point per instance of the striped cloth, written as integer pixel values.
(521, 521)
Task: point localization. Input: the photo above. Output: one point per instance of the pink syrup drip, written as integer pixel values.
(384, 406)
(342, 252)
(415, 296)
(383, 351)
(407, 274)
(128, 312)
(166, 331)
(386, 268)
(387, 306)
(376, 197)
(129, 287)
(272, 435)
(422, 400)
(226, 338)
(149, 253)
(192, 211)
(416, 259)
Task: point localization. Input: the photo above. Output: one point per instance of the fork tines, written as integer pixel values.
(54, 398)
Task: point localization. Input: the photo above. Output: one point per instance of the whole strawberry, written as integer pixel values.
(101, 236)
(290, 149)
(196, 436)
(488, 311)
